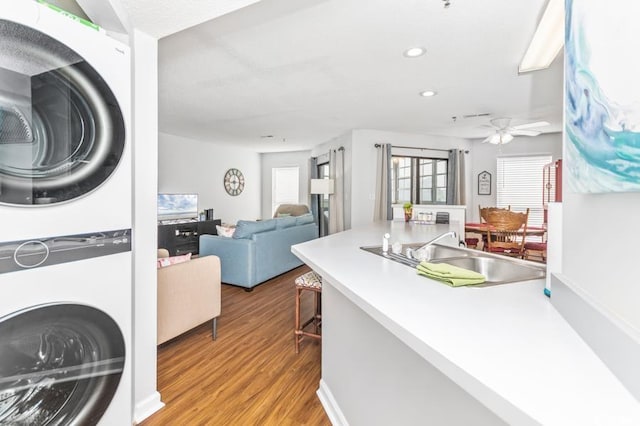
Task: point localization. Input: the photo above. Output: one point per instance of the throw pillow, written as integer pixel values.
(283, 215)
(225, 231)
(173, 260)
(304, 219)
(285, 222)
(246, 228)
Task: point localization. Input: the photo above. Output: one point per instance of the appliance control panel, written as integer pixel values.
(39, 252)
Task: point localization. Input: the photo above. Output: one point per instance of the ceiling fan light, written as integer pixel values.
(500, 138)
(494, 139)
(506, 138)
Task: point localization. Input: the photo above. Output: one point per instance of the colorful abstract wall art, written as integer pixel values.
(602, 96)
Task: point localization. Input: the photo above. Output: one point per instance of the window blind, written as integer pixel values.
(520, 185)
(285, 184)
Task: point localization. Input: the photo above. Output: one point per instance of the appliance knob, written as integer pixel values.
(31, 254)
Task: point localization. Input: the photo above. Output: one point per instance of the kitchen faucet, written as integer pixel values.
(439, 237)
(410, 252)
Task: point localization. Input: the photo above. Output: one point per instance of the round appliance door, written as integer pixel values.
(62, 132)
(59, 364)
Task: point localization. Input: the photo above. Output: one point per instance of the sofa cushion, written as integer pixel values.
(225, 231)
(286, 222)
(168, 261)
(246, 228)
(304, 219)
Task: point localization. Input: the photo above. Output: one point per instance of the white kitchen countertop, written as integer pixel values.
(506, 345)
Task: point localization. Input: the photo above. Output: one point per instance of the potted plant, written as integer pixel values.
(408, 211)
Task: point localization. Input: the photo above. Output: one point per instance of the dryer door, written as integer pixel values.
(59, 364)
(62, 132)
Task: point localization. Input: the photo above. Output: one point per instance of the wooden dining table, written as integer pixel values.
(483, 228)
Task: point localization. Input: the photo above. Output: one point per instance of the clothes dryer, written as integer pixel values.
(65, 151)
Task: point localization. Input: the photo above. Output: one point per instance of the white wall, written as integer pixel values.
(270, 161)
(600, 231)
(145, 181)
(600, 238)
(364, 165)
(484, 158)
(188, 165)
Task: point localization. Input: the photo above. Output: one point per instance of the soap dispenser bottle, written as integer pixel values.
(385, 243)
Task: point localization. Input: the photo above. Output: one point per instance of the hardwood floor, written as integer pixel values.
(250, 375)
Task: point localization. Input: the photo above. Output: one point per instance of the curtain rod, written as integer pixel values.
(421, 149)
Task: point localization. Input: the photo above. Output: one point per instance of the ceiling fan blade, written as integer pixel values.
(531, 125)
(520, 132)
(487, 139)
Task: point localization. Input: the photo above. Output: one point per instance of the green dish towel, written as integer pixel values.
(450, 274)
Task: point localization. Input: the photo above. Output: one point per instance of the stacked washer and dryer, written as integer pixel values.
(65, 221)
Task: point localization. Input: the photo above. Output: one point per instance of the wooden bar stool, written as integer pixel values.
(308, 282)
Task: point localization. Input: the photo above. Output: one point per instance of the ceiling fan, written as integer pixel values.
(504, 133)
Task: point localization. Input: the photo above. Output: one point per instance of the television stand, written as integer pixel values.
(182, 237)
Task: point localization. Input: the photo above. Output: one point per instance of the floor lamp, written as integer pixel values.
(321, 187)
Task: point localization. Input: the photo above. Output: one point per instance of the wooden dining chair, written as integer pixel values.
(536, 250)
(507, 232)
(483, 219)
(485, 210)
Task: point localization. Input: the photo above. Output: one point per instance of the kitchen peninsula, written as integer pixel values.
(398, 348)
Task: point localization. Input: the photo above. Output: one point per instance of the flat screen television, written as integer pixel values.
(177, 206)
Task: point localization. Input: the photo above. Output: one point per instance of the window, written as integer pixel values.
(419, 180)
(520, 185)
(285, 183)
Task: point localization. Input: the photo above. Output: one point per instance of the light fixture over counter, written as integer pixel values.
(547, 40)
(322, 186)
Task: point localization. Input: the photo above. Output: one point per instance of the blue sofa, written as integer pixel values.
(259, 250)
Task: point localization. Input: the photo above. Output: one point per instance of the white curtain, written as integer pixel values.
(382, 208)
(336, 200)
(456, 188)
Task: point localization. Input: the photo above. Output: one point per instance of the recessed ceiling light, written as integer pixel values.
(414, 52)
(428, 93)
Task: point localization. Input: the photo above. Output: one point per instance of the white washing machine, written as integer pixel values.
(65, 228)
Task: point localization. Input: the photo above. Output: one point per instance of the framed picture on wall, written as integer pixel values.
(484, 183)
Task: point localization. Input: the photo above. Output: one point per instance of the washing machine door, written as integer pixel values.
(62, 132)
(60, 364)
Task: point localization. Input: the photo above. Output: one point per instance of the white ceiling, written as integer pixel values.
(161, 18)
(306, 71)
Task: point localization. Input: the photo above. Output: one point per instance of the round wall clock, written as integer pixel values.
(233, 182)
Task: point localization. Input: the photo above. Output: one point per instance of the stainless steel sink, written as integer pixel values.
(434, 251)
(497, 269)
